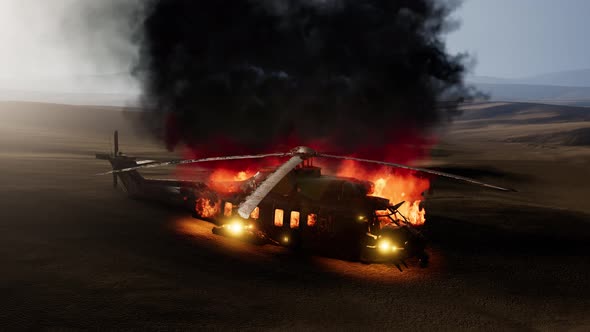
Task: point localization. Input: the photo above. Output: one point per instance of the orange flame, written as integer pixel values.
(224, 175)
(206, 208)
(226, 180)
(397, 187)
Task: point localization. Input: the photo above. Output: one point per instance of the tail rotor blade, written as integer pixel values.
(422, 170)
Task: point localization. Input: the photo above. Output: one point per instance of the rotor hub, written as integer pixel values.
(304, 152)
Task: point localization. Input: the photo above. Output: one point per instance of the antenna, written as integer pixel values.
(116, 153)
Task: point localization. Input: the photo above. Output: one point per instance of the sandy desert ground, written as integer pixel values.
(75, 254)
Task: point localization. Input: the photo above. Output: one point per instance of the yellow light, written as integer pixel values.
(236, 228)
(361, 218)
(286, 239)
(384, 246)
(393, 248)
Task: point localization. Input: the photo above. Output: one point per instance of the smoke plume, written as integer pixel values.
(255, 75)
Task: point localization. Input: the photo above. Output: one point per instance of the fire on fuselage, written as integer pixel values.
(303, 184)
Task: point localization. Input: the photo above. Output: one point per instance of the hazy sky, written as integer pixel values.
(40, 38)
(515, 38)
(510, 38)
(29, 40)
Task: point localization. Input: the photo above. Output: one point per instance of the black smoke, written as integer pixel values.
(249, 75)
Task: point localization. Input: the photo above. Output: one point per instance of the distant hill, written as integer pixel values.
(567, 87)
(524, 114)
(117, 83)
(576, 78)
(575, 96)
(89, 99)
(118, 89)
(530, 123)
(570, 78)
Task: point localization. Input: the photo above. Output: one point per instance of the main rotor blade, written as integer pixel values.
(423, 170)
(193, 161)
(266, 186)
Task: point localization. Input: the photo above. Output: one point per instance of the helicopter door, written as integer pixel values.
(309, 231)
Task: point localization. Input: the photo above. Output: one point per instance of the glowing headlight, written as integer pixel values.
(384, 246)
(236, 228)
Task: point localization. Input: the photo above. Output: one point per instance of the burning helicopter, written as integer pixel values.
(294, 205)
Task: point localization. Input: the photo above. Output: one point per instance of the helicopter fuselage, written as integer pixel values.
(308, 211)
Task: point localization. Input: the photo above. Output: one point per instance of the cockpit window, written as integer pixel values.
(383, 216)
(255, 214)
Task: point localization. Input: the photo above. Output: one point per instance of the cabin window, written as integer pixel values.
(383, 217)
(227, 209)
(255, 214)
(312, 218)
(279, 214)
(295, 219)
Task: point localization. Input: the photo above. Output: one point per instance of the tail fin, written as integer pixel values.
(131, 181)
